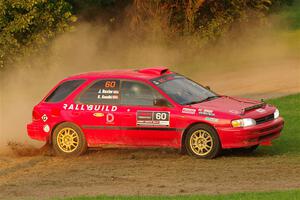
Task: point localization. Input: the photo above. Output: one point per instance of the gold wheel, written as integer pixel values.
(201, 142)
(67, 140)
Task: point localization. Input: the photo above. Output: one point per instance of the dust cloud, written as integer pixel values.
(89, 48)
(263, 66)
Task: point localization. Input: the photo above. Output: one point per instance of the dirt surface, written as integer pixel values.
(264, 81)
(27, 172)
(143, 172)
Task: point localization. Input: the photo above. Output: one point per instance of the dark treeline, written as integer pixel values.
(28, 26)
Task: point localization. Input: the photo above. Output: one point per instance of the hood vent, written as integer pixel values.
(253, 107)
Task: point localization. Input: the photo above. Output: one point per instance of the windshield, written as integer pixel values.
(183, 90)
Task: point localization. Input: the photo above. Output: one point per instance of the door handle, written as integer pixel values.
(128, 115)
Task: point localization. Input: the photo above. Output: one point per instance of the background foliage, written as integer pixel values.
(27, 26)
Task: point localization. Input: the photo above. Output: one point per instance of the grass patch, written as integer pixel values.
(291, 15)
(283, 195)
(287, 26)
(289, 107)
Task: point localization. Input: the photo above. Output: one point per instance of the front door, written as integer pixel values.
(145, 121)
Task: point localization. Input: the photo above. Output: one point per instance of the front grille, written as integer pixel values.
(268, 136)
(264, 119)
(270, 128)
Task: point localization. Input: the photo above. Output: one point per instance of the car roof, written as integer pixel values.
(137, 74)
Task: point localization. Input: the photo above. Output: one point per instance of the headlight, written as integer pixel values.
(276, 114)
(243, 122)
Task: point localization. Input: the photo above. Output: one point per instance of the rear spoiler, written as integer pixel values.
(263, 104)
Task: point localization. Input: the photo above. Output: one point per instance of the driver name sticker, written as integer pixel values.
(109, 90)
(153, 118)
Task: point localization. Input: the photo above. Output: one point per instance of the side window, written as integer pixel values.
(135, 93)
(102, 92)
(63, 90)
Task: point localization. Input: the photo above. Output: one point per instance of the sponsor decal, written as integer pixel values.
(206, 112)
(83, 107)
(188, 111)
(160, 80)
(260, 110)
(46, 128)
(234, 112)
(110, 118)
(211, 119)
(153, 118)
(98, 114)
(44, 118)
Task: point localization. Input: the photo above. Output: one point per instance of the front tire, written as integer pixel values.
(202, 141)
(68, 140)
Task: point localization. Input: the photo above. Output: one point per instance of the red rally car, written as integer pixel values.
(151, 107)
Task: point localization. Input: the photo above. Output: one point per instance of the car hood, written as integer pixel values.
(234, 106)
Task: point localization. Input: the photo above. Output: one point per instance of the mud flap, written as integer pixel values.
(266, 143)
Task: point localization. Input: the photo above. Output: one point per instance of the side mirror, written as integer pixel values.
(207, 87)
(161, 102)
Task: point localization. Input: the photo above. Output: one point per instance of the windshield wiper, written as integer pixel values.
(209, 98)
(199, 101)
(192, 102)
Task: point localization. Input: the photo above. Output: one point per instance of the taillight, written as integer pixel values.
(35, 115)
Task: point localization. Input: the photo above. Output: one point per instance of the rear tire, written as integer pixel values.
(202, 141)
(68, 140)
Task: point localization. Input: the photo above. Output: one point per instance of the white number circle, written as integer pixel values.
(161, 116)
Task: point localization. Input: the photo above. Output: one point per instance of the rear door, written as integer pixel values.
(99, 112)
(148, 119)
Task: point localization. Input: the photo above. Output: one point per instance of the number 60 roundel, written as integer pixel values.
(153, 118)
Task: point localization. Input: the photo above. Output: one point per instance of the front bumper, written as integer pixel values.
(249, 136)
(36, 132)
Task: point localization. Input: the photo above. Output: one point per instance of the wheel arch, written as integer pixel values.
(184, 134)
(52, 131)
(56, 125)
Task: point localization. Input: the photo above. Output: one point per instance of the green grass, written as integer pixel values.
(288, 26)
(284, 195)
(291, 15)
(289, 142)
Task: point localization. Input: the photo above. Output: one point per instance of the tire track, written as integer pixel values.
(28, 164)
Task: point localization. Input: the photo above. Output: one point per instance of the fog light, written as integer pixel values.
(46, 128)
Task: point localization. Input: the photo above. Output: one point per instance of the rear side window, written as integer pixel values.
(63, 90)
(102, 92)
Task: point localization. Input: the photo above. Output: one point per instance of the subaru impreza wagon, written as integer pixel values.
(151, 107)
